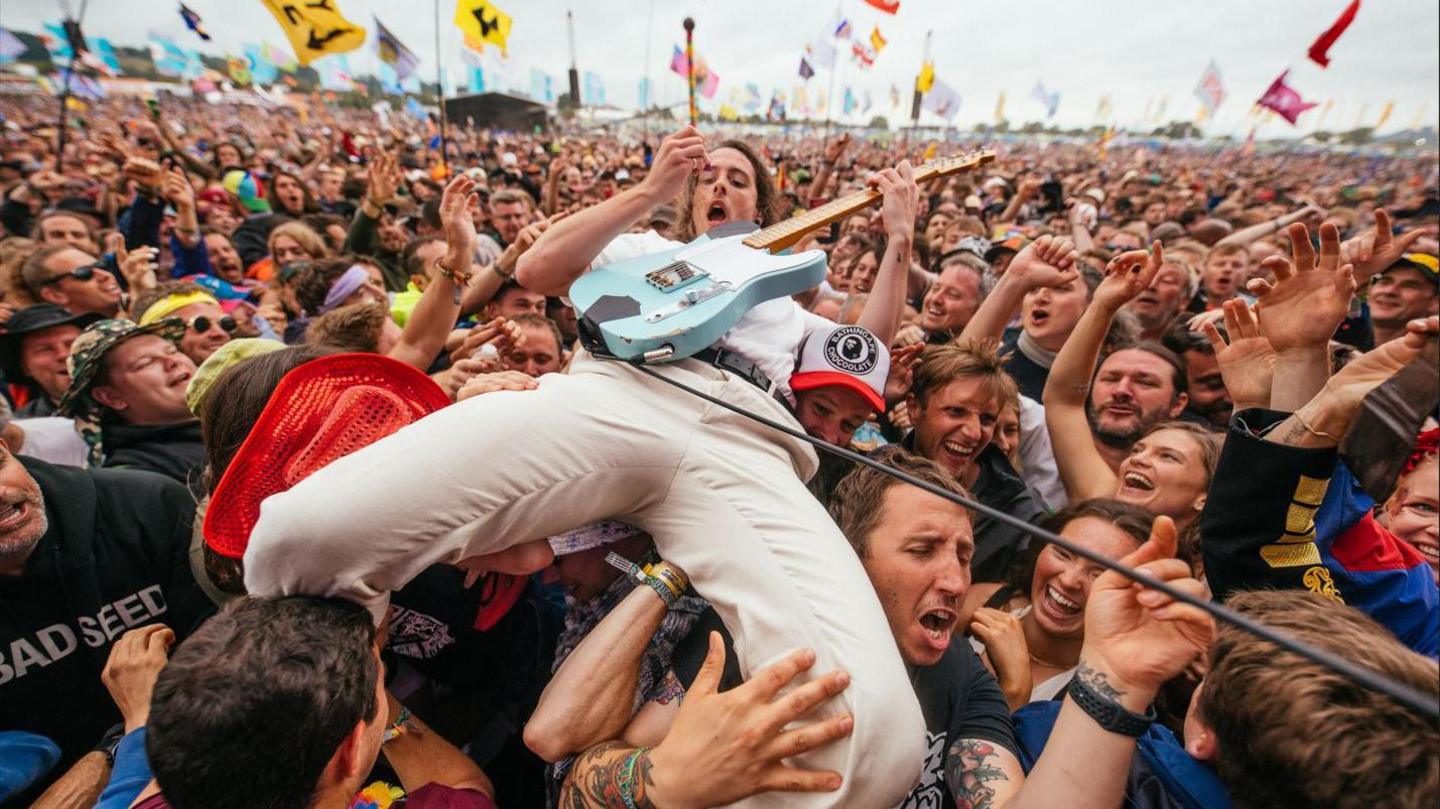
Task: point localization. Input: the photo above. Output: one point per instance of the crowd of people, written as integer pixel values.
(315, 490)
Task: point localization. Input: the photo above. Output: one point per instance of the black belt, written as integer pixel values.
(737, 365)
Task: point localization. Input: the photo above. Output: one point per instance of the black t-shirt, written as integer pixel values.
(1029, 375)
(960, 700)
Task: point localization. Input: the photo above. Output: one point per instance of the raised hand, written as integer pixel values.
(1049, 261)
(1007, 650)
(144, 171)
(383, 181)
(724, 747)
(1136, 638)
(681, 154)
(900, 202)
(177, 190)
(1309, 298)
(129, 675)
(138, 266)
(1373, 252)
(1127, 275)
(456, 220)
(1247, 362)
(1339, 402)
(836, 148)
(903, 362)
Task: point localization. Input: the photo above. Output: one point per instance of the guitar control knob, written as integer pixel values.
(692, 296)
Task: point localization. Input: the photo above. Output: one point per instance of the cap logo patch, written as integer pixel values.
(852, 349)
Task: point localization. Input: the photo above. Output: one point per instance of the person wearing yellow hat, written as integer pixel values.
(207, 327)
(1404, 291)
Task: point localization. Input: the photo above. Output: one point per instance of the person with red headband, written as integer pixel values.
(1413, 511)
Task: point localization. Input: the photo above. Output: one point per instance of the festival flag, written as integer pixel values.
(593, 91)
(926, 79)
(942, 100)
(864, 57)
(1249, 143)
(541, 87)
(416, 110)
(192, 21)
(894, 97)
(877, 42)
(887, 6)
(752, 98)
(728, 113)
(393, 52)
(483, 22)
(1385, 112)
(1160, 108)
(842, 29)
(1000, 107)
(800, 102)
(1211, 90)
(1102, 110)
(848, 103)
(776, 110)
(475, 79)
(262, 70)
(57, 44)
(1051, 101)
(279, 57)
(710, 85)
(238, 68)
(806, 71)
(10, 46)
(1320, 49)
(821, 53)
(1283, 100)
(105, 52)
(1420, 115)
(642, 94)
(389, 82)
(335, 74)
(867, 103)
(1324, 111)
(315, 30)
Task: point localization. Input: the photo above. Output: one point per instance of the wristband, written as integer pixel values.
(625, 779)
(398, 727)
(1107, 713)
(495, 265)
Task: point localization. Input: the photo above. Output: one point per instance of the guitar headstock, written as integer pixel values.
(946, 166)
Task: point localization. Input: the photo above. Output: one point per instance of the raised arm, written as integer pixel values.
(435, 313)
(833, 151)
(1260, 231)
(1046, 262)
(592, 696)
(1300, 311)
(881, 315)
(1082, 468)
(1373, 252)
(566, 250)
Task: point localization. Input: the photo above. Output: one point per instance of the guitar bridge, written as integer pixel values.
(689, 299)
(674, 276)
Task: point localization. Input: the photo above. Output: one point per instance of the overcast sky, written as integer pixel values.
(1136, 52)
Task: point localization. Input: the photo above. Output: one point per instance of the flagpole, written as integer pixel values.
(440, 92)
(690, 65)
(65, 91)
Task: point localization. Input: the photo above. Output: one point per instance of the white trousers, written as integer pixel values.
(722, 495)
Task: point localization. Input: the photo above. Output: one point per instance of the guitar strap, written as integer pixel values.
(1402, 693)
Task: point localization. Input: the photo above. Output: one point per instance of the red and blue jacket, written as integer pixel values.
(1288, 517)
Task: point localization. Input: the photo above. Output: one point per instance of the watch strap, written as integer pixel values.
(1107, 713)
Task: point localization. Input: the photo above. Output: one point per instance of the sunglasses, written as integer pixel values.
(202, 324)
(81, 274)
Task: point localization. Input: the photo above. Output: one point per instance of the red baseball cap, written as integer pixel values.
(320, 412)
(847, 357)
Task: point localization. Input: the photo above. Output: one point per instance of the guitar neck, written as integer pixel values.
(787, 233)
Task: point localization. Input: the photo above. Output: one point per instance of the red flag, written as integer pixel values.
(1284, 100)
(887, 6)
(1319, 51)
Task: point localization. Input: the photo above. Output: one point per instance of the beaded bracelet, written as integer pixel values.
(398, 727)
(625, 780)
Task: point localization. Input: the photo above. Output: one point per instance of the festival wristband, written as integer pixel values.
(398, 727)
(625, 779)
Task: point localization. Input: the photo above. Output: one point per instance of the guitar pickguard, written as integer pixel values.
(689, 299)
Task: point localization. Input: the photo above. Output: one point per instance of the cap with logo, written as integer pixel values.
(847, 357)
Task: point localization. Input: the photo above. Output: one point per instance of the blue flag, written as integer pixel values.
(644, 94)
(415, 110)
(262, 70)
(594, 90)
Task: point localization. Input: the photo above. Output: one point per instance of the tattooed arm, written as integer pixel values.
(981, 774)
(596, 780)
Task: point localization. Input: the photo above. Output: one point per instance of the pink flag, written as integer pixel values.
(710, 84)
(1284, 100)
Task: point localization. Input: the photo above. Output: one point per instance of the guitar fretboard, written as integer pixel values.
(784, 234)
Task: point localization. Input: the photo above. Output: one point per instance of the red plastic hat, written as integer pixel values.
(320, 412)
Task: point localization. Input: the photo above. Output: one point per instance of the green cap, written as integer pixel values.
(89, 349)
(228, 356)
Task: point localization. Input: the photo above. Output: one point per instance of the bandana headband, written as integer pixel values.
(344, 286)
(170, 304)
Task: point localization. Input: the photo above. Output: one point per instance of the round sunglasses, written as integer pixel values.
(202, 324)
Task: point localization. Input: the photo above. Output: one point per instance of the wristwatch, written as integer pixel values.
(111, 743)
(1108, 713)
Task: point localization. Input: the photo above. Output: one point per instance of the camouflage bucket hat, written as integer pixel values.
(89, 350)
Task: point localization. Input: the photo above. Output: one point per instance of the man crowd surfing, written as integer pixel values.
(314, 492)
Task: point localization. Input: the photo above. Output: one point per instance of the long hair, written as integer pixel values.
(766, 198)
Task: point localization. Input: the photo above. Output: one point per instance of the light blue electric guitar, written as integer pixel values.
(674, 304)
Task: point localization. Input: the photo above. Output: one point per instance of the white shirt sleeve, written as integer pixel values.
(1038, 457)
(632, 245)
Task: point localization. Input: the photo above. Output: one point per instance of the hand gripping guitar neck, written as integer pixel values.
(670, 305)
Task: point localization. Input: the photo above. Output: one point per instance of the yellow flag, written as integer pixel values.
(926, 79)
(931, 150)
(315, 28)
(482, 22)
(1000, 107)
(1385, 113)
(876, 40)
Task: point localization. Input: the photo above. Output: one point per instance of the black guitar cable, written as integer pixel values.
(1405, 695)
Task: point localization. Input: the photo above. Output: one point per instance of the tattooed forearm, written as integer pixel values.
(971, 767)
(594, 780)
(670, 689)
(1098, 682)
